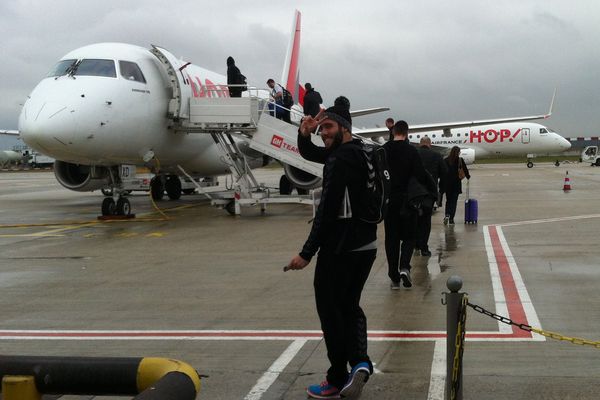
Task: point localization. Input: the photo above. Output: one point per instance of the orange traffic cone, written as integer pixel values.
(567, 184)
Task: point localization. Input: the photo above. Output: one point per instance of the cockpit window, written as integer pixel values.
(131, 71)
(95, 67)
(543, 131)
(61, 68)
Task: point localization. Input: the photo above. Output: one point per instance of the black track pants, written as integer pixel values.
(339, 281)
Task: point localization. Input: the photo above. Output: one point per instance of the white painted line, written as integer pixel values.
(265, 381)
(437, 382)
(559, 219)
(498, 291)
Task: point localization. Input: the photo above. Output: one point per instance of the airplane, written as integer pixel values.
(108, 107)
(487, 138)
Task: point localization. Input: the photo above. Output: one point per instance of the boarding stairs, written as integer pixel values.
(237, 125)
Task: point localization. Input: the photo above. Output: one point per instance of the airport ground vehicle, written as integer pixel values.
(590, 155)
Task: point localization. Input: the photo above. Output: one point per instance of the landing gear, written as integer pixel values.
(529, 164)
(557, 163)
(121, 207)
(108, 206)
(173, 187)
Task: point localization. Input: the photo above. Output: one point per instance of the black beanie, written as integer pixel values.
(340, 112)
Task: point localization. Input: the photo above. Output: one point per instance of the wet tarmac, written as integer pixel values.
(208, 289)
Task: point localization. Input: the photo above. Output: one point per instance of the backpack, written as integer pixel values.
(242, 81)
(378, 184)
(418, 197)
(286, 100)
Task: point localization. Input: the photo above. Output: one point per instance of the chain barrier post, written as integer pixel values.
(453, 308)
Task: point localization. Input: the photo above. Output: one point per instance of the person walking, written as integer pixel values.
(436, 167)
(312, 101)
(234, 77)
(347, 248)
(401, 221)
(456, 171)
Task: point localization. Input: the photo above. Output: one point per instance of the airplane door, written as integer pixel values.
(525, 136)
(179, 106)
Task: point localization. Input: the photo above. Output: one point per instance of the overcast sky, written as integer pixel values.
(429, 61)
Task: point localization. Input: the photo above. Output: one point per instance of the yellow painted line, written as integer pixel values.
(155, 234)
(127, 234)
(30, 235)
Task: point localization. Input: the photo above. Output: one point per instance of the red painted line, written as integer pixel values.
(516, 312)
(230, 334)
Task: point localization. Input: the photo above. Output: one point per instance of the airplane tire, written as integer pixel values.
(529, 164)
(123, 206)
(285, 186)
(230, 207)
(173, 187)
(108, 206)
(156, 188)
(557, 163)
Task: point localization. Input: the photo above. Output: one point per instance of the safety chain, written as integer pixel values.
(525, 327)
(459, 343)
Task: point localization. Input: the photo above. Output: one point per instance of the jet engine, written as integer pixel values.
(301, 179)
(468, 155)
(81, 178)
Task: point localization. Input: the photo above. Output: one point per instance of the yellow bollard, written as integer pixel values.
(19, 388)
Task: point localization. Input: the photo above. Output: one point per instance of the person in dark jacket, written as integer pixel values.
(401, 220)
(453, 183)
(347, 247)
(312, 101)
(435, 165)
(234, 77)
(389, 123)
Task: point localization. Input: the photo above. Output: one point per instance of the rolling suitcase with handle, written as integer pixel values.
(471, 208)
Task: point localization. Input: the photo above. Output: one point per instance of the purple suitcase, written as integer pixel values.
(471, 209)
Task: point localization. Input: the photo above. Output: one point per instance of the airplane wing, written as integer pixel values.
(368, 111)
(378, 132)
(9, 132)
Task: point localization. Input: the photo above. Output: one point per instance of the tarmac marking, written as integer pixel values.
(376, 336)
(437, 382)
(270, 376)
(558, 219)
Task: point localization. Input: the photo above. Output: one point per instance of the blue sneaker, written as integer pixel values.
(323, 391)
(358, 377)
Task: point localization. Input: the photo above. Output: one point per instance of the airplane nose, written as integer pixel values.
(565, 144)
(44, 125)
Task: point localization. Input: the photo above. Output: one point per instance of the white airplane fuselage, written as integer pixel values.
(498, 140)
(94, 119)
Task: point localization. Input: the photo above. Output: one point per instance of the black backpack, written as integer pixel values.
(378, 184)
(242, 81)
(286, 100)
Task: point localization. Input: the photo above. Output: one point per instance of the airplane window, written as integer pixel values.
(61, 68)
(458, 134)
(131, 71)
(95, 67)
(543, 130)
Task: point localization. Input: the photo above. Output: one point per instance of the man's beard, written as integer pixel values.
(337, 139)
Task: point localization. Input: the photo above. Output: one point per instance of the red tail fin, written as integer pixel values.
(290, 76)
